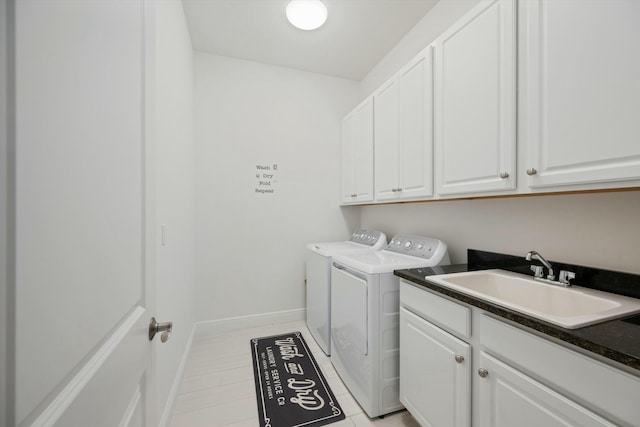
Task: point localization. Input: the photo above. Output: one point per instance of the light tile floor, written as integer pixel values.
(217, 388)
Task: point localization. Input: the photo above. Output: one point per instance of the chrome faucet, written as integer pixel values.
(538, 274)
(537, 269)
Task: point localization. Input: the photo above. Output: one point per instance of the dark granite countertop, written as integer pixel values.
(617, 340)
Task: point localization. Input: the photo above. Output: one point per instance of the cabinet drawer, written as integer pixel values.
(603, 388)
(447, 314)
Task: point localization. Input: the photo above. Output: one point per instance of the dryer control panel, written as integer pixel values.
(423, 247)
(369, 237)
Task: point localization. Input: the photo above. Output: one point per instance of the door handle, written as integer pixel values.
(155, 327)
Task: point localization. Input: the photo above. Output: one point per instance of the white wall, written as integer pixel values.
(250, 246)
(598, 230)
(175, 198)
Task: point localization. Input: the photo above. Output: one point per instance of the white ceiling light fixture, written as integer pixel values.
(306, 14)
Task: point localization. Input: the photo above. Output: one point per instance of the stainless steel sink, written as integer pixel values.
(570, 308)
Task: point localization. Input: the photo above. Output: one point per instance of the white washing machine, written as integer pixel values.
(365, 306)
(319, 279)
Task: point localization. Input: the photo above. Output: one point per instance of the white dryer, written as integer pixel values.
(318, 259)
(365, 306)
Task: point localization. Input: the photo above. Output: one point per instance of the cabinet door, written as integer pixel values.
(348, 194)
(475, 101)
(416, 127)
(363, 154)
(509, 398)
(435, 373)
(357, 154)
(386, 140)
(582, 91)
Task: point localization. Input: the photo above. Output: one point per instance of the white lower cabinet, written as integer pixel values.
(460, 366)
(510, 398)
(435, 373)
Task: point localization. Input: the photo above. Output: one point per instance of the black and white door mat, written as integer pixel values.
(290, 389)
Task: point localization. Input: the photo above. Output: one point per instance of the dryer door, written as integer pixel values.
(349, 310)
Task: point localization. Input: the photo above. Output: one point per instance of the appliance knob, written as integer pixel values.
(420, 246)
(408, 244)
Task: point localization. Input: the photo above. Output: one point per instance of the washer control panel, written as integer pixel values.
(368, 237)
(423, 247)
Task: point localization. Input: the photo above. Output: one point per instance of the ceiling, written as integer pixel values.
(356, 36)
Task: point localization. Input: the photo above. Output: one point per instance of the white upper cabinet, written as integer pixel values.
(475, 101)
(449, 116)
(416, 127)
(348, 131)
(386, 131)
(357, 154)
(582, 91)
(404, 132)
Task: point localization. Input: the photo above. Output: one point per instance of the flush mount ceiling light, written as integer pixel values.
(306, 14)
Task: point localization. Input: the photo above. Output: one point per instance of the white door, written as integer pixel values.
(435, 373)
(509, 398)
(385, 138)
(475, 101)
(348, 194)
(415, 149)
(363, 157)
(349, 314)
(83, 248)
(582, 91)
(357, 154)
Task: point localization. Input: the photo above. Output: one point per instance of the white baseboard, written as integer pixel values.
(213, 327)
(168, 407)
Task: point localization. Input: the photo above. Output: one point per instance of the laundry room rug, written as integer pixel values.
(290, 389)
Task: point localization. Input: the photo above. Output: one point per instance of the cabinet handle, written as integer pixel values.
(354, 195)
(504, 175)
(398, 189)
(394, 189)
(459, 358)
(483, 373)
(531, 171)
